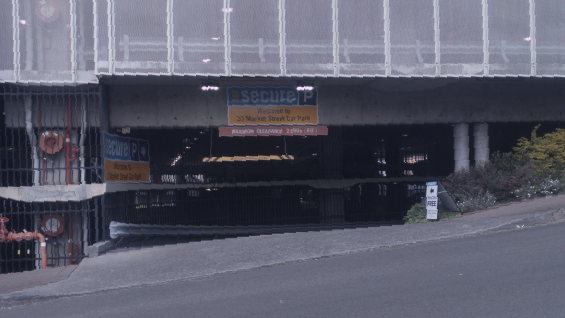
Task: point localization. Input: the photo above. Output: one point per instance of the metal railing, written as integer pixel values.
(110, 37)
(50, 136)
(66, 229)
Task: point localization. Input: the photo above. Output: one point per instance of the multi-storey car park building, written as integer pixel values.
(244, 116)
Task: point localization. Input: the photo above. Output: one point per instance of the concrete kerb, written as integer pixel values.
(191, 261)
(99, 248)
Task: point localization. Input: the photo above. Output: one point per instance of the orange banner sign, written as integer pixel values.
(272, 115)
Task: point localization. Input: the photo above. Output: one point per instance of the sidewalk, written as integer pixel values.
(163, 264)
(19, 281)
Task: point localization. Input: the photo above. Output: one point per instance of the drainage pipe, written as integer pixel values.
(84, 231)
(68, 145)
(81, 142)
(32, 139)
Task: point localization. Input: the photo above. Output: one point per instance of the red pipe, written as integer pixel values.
(8, 237)
(68, 144)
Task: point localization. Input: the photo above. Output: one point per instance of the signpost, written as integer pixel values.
(431, 200)
(125, 159)
(272, 111)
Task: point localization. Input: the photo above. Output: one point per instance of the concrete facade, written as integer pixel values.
(354, 102)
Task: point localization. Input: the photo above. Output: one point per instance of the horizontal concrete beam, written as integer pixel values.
(53, 193)
(89, 191)
(424, 101)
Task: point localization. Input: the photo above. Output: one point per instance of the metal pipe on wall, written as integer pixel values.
(32, 139)
(68, 161)
(83, 127)
(84, 230)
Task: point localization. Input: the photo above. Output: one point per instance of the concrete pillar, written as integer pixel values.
(481, 143)
(461, 146)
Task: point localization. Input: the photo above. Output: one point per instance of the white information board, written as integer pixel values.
(431, 200)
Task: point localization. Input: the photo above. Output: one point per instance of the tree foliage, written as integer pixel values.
(535, 168)
(547, 152)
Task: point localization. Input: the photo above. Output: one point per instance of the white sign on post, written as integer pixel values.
(431, 200)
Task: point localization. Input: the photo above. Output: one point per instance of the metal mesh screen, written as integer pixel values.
(309, 37)
(254, 31)
(6, 42)
(85, 41)
(550, 37)
(46, 41)
(66, 228)
(279, 38)
(102, 38)
(35, 125)
(461, 37)
(141, 36)
(199, 37)
(509, 37)
(361, 38)
(412, 45)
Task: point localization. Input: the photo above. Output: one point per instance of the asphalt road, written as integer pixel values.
(518, 273)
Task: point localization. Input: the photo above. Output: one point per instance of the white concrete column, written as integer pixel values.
(481, 144)
(461, 146)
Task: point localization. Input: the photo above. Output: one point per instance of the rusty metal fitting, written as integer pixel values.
(28, 236)
(18, 237)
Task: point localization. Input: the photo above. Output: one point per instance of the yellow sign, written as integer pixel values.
(125, 171)
(272, 115)
(247, 158)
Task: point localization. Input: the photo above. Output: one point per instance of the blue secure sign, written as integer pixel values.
(125, 149)
(271, 96)
(125, 159)
(116, 147)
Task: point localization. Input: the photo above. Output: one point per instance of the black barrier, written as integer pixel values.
(66, 229)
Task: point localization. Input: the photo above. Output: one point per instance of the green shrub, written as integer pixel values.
(536, 168)
(548, 152)
(500, 178)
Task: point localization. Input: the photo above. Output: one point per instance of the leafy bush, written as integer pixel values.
(535, 168)
(499, 178)
(548, 152)
(479, 202)
(546, 188)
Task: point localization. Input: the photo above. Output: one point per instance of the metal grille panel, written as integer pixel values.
(6, 42)
(141, 37)
(34, 127)
(254, 37)
(361, 45)
(412, 45)
(199, 37)
(78, 225)
(509, 37)
(309, 38)
(461, 37)
(550, 37)
(282, 38)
